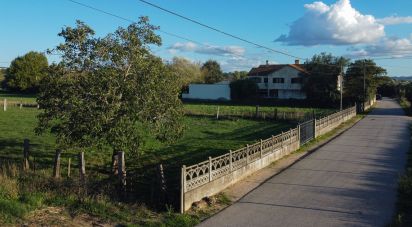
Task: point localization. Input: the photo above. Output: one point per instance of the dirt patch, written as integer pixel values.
(58, 216)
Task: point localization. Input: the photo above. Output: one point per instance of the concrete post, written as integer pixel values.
(182, 189)
(69, 167)
(261, 148)
(298, 135)
(217, 112)
(257, 111)
(247, 153)
(5, 105)
(121, 168)
(314, 128)
(210, 169)
(230, 160)
(21, 105)
(26, 153)
(82, 168)
(56, 169)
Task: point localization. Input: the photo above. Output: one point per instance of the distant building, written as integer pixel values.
(281, 81)
(218, 91)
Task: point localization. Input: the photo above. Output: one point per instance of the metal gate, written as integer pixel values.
(307, 131)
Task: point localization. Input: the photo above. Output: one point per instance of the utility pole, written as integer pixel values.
(341, 86)
(364, 85)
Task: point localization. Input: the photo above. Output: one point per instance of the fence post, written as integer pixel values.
(5, 104)
(210, 169)
(261, 148)
(82, 168)
(26, 153)
(257, 111)
(182, 189)
(217, 112)
(298, 135)
(247, 153)
(56, 169)
(314, 128)
(162, 186)
(230, 160)
(121, 169)
(69, 167)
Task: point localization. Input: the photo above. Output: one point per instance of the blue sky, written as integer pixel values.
(356, 28)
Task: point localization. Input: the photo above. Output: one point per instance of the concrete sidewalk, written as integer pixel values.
(350, 181)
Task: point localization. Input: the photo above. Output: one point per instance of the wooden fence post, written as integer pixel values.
(5, 105)
(182, 189)
(217, 112)
(121, 169)
(26, 153)
(162, 186)
(82, 168)
(69, 167)
(210, 169)
(21, 105)
(56, 169)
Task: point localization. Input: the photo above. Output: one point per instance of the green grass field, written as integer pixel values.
(203, 137)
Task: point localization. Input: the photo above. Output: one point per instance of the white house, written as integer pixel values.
(218, 91)
(282, 81)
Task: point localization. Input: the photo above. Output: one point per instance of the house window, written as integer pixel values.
(278, 80)
(265, 80)
(296, 80)
(256, 79)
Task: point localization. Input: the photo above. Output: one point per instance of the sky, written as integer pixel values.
(352, 28)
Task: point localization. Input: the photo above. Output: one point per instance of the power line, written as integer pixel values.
(132, 21)
(220, 31)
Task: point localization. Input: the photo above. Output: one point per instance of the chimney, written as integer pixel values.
(297, 62)
(267, 62)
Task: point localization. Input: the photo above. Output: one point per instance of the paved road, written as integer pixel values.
(351, 181)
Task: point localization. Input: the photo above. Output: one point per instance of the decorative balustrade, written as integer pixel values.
(198, 175)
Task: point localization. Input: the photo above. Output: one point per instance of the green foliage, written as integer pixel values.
(388, 87)
(211, 72)
(185, 71)
(243, 89)
(358, 72)
(236, 75)
(26, 72)
(321, 85)
(110, 90)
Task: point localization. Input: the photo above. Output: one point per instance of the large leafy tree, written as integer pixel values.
(235, 75)
(359, 72)
(25, 72)
(110, 90)
(243, 89)
(185, 71)
(322, 84)
(211, 72)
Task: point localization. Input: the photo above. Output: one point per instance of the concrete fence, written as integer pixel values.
(367, 105)
(210, 177)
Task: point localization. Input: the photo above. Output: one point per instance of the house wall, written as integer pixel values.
(286, 90)
(208, 92)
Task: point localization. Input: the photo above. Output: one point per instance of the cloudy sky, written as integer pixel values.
(353, 28)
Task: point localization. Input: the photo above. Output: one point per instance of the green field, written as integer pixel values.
(211, 109)
(203, 137)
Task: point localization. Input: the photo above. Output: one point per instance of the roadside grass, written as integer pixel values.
(406, 106)
(21, 193)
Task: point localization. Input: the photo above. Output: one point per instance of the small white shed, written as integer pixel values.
(218, 91)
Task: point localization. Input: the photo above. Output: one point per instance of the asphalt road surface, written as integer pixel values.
(350, 181)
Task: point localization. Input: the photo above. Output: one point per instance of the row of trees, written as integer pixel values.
(26, 72)
(360, 80)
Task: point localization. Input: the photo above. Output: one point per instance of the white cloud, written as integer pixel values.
(240, 64)
(395, 47)
(337, 24)
(207, 49)
(392, 20)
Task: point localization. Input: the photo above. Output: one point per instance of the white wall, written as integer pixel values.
(208, 91)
